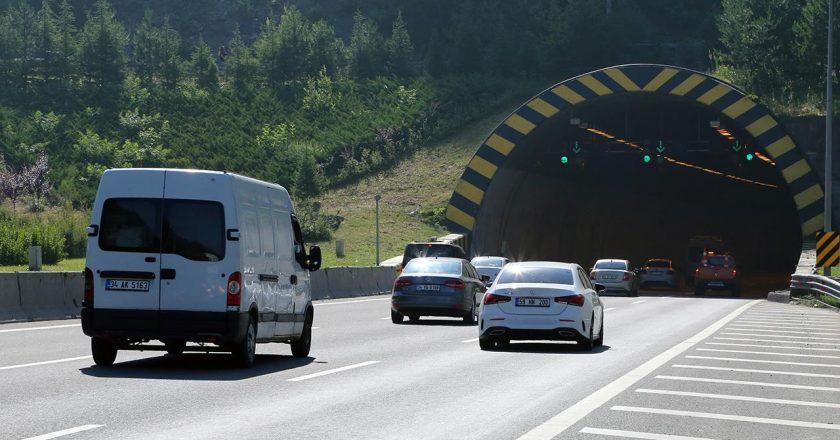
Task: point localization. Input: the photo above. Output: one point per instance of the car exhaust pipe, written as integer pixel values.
(497, 332)
(566, 333)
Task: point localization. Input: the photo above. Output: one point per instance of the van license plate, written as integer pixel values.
(532, 302)
(129, 285)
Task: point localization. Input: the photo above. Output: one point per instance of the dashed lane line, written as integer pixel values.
(26, 329)
(562, 421)
(64, 432)
(729, 417)
(334, 370)
(35, 364)
(637, 434)
(470, 340)
(753, 371)
(769, 353)
(739, 398)
(608, 309)
(749, 383)
(727, 344)
(640, 301)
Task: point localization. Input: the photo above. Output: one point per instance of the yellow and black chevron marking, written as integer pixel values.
(828, 249)
(804, 184)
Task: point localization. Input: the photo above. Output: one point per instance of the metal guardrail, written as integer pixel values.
(815, 283)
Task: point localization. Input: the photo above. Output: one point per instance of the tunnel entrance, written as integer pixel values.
(589, 169)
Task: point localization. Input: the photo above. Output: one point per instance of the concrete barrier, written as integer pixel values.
(318, 284)
(42, 295)
(10, 309)
(74, 292)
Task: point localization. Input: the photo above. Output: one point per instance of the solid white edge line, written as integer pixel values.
(470, 340)
(334, 370)
(730, 417)
(761, 361)
(754, 371)
(636, 434)
(24, 329)
(350, 302)
(65, 432)
(819, 356)
(747, 382)
(772, 346)
(608, 309)
(640, 301)
(568, 417)
(35, 364)
(739, 398)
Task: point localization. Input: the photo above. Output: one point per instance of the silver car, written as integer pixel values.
(660, 273)
(616, 276)
(490, 266)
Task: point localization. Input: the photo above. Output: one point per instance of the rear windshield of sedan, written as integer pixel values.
(537, 275)
(431, 266)
(488, 262)
(611, 265)
(659, 263)
(716, 261)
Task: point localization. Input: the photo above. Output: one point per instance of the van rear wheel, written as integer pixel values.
(300, 348)
(104, 351)
(246, 350)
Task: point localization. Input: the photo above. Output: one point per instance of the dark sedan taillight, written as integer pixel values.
(492, 298)
(401, 283)
(455, 284)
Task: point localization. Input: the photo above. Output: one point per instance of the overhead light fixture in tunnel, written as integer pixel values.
(714, 123)
(574, 121)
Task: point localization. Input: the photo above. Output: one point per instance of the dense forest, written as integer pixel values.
(313, 94)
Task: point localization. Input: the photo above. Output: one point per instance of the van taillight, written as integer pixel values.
(88, 299)
(626, 277)
(234, 290)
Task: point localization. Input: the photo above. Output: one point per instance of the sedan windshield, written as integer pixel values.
(538, 275)
(611, 265)
(433, 266)
(488, 262)
(719, 261)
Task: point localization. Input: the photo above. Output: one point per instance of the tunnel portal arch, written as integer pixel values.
(468, 199)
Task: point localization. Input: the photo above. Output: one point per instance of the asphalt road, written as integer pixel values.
(672, 364)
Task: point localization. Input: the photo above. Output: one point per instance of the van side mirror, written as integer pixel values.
(233, 234)
(313, 260)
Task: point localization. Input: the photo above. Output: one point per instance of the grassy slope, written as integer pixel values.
(423, 181)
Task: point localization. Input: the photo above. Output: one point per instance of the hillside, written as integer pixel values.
(420, 183)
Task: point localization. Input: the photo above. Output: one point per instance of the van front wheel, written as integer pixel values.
(104, 351)
(300, 348)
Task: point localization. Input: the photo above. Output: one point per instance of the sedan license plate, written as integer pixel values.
(610, 277)
(428, 287)
(532, 302)
(127, 285)
(716, 283)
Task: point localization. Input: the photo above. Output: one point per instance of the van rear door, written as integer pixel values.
(125, 257)
(194, 270)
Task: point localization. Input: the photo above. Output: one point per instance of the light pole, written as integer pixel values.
(829, 110)
(376, 199)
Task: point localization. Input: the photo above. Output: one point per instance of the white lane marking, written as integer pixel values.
(789, 322)
(746, 382)
(786, 326)
(35, 364)
(387, 317)
(559, 423)
(611, 308)
(732, 417)
(26, 329)
(777, 341)
(772, 346)
(640, 301)
(65, 432)
(315, 328)
(334, 370)
(740, 398)
(770, 353)
(758, 329)
(350, 302)
(780, 336)
(746, 370)
(470, 340)
(759, 361)
(636, 434)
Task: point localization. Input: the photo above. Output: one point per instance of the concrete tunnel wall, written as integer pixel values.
(490, 185)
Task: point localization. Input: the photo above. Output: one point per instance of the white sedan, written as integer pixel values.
(541, 300)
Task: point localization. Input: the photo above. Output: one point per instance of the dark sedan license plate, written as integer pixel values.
(716, 283)
(127, 285)
(532, 302)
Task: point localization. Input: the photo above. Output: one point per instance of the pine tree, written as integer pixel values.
(306, 182)
(143, 59)
(67, 58)
(23, 22)
(103, 50)
(400, 49)
(168, 55)
(47, 41)
(203, 66)
(240, 65)
(367, 48)
(325, 50)
(281, 49)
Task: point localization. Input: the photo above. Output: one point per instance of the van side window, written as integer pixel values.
(266, 234)
(130, 225)
(202, 240)
(283, 233)
(251, 233)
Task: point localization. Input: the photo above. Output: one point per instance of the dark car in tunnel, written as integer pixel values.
(658, 273)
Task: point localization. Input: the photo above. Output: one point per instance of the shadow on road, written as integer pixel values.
(550, 348)
(197, 366)
(455, 322)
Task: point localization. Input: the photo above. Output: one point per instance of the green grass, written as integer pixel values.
(71, 265)
(423, 181)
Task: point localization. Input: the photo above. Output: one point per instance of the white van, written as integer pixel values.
(208, 258)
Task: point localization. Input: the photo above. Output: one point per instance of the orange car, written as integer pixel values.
(717, 272)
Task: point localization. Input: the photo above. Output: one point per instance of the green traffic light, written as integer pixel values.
(564, 160)
(646, 158)
(750, 156)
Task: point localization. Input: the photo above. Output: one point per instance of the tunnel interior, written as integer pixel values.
(579, 187)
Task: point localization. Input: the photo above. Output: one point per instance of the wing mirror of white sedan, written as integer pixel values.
(600, 288)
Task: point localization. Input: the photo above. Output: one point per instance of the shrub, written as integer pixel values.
(16, 238)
